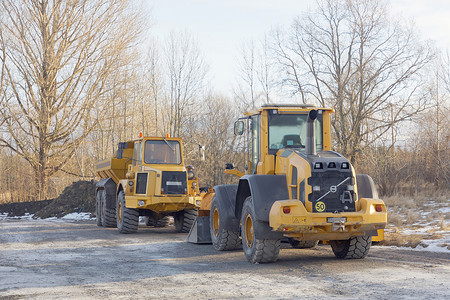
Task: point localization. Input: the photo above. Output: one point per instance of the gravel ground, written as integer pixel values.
(53, 259)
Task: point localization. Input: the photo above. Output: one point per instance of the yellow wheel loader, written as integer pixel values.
(296, 188)
(147, 177)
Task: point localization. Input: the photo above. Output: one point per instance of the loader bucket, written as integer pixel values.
(200, 233)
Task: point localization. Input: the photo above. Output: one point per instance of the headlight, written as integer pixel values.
(318, 165)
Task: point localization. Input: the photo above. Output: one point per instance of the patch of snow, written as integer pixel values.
(444, 210)
(441, 245)
(77, 216)
(27, 216)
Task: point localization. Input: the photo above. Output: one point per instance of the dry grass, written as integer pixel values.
(412, 220)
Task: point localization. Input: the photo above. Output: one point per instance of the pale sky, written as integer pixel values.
(221, 26)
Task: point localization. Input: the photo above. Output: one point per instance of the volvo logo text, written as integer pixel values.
(333, 189)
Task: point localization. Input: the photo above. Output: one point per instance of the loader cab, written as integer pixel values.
(281, 126)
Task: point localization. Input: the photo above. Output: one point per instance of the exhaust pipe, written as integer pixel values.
(310, 146)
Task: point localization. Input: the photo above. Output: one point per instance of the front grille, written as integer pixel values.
(174, 182)
(337, 199)
(141, 183)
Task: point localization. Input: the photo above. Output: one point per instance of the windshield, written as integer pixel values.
(289, 131)
(159, 152)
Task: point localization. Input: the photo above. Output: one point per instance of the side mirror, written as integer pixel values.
(238, 128)
(122, 146)
(201, 149)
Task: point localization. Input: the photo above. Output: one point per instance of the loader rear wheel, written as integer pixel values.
(184, 219)
(256, 250)
(98, 208)
(302, 244)
(355, 247)
(155, 222)
(108, 214)
(127, 218)
(222, 239)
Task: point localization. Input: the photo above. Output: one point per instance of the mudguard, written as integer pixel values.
(265, 190)
(226, 195)
(110, 187)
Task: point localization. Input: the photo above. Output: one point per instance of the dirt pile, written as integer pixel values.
(17, 209)
(78, 197)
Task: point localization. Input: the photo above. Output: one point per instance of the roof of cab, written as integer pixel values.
(290, 107)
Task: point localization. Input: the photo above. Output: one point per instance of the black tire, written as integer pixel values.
(98, 208)
(127, 218)
(184, 219)
(354, 248)
(108, 214)
(222, 239)
(256, 250)
(366, 187)
(160, 223)
(302, 244)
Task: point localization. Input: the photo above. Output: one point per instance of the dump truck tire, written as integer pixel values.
(184, 219)
(256, 250)
(302, 244)
(353, 248)
(127, 218)
(160, 223)
(98, 208)
(108, 214)
(222, 239)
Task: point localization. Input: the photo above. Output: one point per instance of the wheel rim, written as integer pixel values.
(119, 212)
(102, 209)
(248, 228)
(216, 222)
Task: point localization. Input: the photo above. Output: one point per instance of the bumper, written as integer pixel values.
(163, 203)
(304, 225)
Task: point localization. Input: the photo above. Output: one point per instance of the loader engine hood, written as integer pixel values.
(332, 182)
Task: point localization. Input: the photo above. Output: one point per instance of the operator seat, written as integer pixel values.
(291, 141)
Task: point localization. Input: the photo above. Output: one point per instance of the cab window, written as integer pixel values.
(289, 131)
(162, 152)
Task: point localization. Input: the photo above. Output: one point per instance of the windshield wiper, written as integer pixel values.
(168, 144)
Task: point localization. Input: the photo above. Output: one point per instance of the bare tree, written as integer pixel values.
(349, 55)
(246, 90)
(60, 56)
(265, 70)
(186, 71)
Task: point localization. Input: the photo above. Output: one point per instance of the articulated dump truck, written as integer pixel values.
(296, 189)
(147, 177)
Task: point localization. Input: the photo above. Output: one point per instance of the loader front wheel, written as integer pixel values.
(184, 219)
(127, 218)
(256, 250)
(222, 239)
(108, 214)
(98, 208)
(353, 248)
(302, 244)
